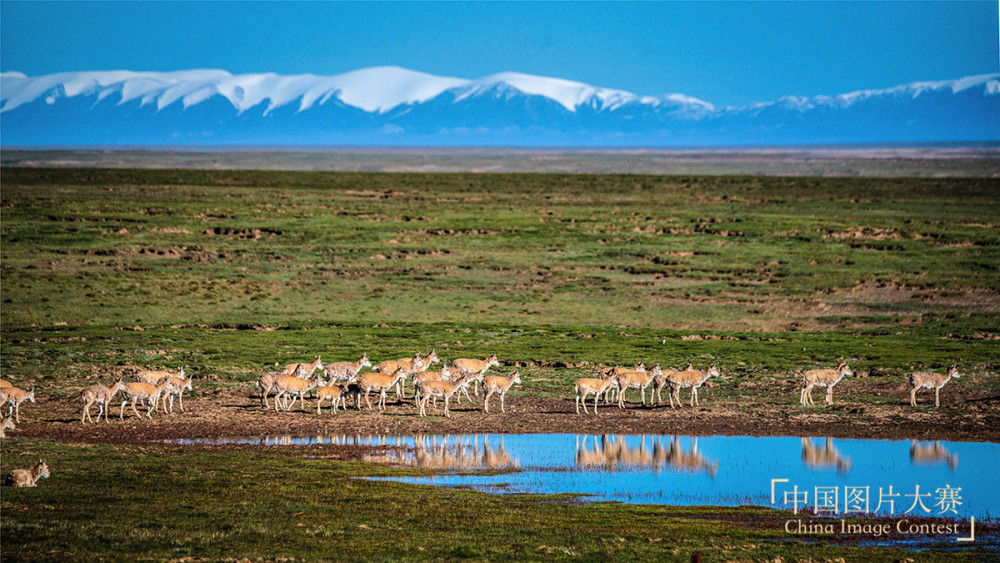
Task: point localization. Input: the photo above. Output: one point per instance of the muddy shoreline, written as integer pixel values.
(236, 412)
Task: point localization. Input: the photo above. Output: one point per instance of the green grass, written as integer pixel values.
(108, 268)
(122, 247)
(165, 502)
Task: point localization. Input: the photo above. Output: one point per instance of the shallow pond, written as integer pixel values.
(836, 477)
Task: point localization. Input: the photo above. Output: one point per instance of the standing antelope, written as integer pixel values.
(266, 384)
(102, 396)
(498, 384)
(148, 392)
(176, 387)
(444, 374)
(822, 378)
(927, 380)
(381, 382)
(663, 380)
(5, 424)
(292, 385)
(156, 377)
(586, 386)
(631, 379)
(475, 368)
(444, 389)
(303, 370)
(688, 378)
(335, 393)
(346, 371)
(14, 397)
(28, 477)
(409, 365)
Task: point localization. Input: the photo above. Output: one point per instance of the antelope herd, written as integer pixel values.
(341, 381)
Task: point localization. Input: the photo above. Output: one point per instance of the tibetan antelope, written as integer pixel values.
(662, 380)
(28, 477)
(443, 389)
(381, 382)
(266, 384)
(14, 397)
(475, 368)
(134, 392)
(102, 396)
(5, 383)
(6, 423)
(688, 378)
(176, 388)
(497, 384)
(928, 380)
(333, 393)
(632, 379)
(156, 377)
(303, 370)
(822, 378)
(294, 386)
(588, 385)
(346, 371)
(444, 374)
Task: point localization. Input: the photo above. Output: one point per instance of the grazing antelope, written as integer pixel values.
(921, 454)
(586, 386)
(822, 378)
(631, 379)
(498, 384)
(333, 393)
(156, 377)
(28, 477)
(688, 378)
(444, 389)
(294, 386)
(928, 380)
(346, 371)
(303, 370)
(176, 388)
(134, 392)
(14, 397)
(475, 368)
(266, 384)
(102, 396)
(5, 424)
(663, 380)
(378, 381)
(824, 457)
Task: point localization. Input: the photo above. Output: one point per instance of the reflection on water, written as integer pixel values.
(451, 453)
(706, 470)
(922, 454)
(613, 452)
(825, 457)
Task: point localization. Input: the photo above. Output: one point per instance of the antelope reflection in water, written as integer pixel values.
(826, 457)
(923, 454)
(610, 452)
(452, 453)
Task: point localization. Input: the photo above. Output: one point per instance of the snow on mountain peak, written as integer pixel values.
(375, 89)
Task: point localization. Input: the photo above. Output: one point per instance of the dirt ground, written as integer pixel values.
(222, 412)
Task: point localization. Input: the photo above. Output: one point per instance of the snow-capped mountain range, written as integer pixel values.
(396, 106)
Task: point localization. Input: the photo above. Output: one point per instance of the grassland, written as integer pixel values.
(227, 272)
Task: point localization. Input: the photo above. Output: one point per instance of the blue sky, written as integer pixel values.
(727, 53)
